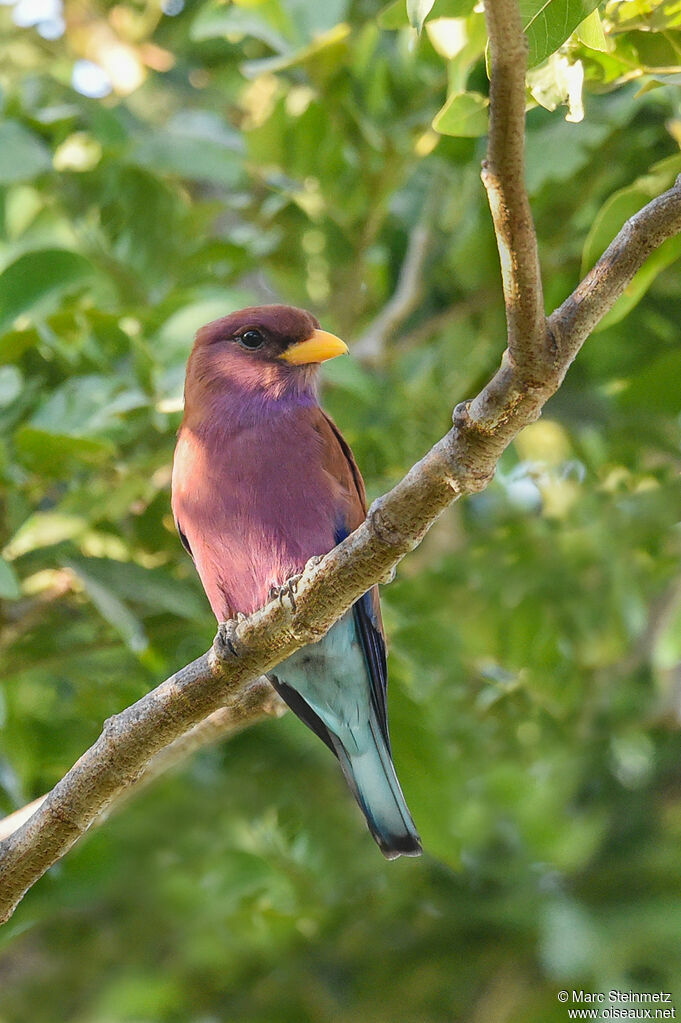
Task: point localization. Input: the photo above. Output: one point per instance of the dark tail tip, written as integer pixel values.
(392, 846)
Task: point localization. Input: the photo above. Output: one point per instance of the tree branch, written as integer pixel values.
(463, 462)
(371, 346)
(503, 175)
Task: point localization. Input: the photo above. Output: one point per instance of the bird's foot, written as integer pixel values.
(225, 642)
(383, 529)
(287, 590)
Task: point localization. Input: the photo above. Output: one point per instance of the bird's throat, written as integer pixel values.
(233, 411)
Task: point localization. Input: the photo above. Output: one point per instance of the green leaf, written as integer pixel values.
(418, 11)
(152, 588)
(458, 66)
(623, 204)
(234, 23)
(52, 453)
(610, 219)
(111, 608)
(174, 152)
(464, 115)
(657, 51)
(591, 33)
(22, 155)
(452, 9)
(648, 15)
(324, 46)
(79, 421)
(35, 280)
(88, 406)
(660, 79)
(667, 253)
(656, 386)
(10, 588)
(11, 382)
(393, 15)
(15, 342)
(301, 19)
(575, 143)
(44, 529)
(548, 23)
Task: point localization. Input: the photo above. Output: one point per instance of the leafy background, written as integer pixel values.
(161, 166)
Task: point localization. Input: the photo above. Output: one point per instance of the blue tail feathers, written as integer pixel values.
(373, 782)
(337, 686)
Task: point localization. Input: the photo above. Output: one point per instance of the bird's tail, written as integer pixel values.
(372, 779)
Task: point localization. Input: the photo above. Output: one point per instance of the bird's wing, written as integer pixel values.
(340, 463)
(183, 538)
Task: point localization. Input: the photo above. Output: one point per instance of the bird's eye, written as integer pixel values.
(251, 340)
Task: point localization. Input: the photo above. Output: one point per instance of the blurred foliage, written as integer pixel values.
(160, 167)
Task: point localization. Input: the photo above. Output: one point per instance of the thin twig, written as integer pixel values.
(371, 345)
(443, 320)
(573, 321)
(463, 462)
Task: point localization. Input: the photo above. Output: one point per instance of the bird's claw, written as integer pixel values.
(224, 643)
(287, 590)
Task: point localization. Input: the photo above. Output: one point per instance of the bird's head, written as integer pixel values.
(262, 352)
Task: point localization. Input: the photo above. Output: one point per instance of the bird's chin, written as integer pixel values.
(281, 380)
(308, 376)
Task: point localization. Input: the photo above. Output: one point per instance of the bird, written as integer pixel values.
(262, 481)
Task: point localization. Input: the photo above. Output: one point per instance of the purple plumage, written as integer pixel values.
(262, 481)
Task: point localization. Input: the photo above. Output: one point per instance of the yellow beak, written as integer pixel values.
(317, 348)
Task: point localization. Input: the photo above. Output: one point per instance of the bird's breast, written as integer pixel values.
(254, 507)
